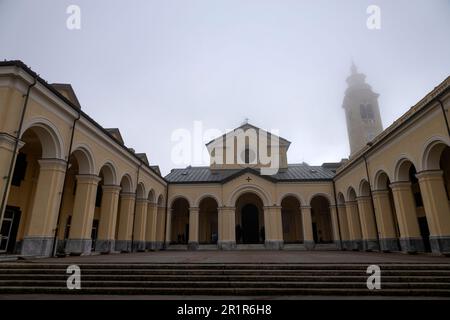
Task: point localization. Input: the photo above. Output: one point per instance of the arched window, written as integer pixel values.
(366, 111)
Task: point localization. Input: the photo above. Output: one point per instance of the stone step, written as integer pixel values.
(228, 266)
(398, 279)
(224, 291)
(223, 284)
(260, 278)
(229, 272)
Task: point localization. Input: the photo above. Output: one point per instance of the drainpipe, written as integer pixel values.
(371, 200)
(165, 220)
(16, 147)
(337, 214)
(445, 116)
(55, 238)
(135, 205)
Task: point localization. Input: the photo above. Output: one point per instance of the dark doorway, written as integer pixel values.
(9, 229)
(94, 233)
(425, 233)
(250, 224)
(315, 235)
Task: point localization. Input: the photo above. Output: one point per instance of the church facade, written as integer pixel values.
(70, 186)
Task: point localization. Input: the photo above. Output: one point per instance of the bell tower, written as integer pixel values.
(362, 112)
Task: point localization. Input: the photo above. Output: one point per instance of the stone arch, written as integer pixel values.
(321, 218)
(265, 198)
(109, 172)
(179, 222)
(51, 141)
(85, 160)
(160, 200)
(432, 152)
(290, 194)
(351, 194)
(402, 166)
(126, 183)
(207, 195)
(322, 194)
(340, 199)
(140, 192)
(208, 227)
(249, 217)
(151, 196)
(381, 180)
(179, 196)
(364, 188)
(291, 219)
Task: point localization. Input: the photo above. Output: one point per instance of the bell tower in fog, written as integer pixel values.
(362, 112)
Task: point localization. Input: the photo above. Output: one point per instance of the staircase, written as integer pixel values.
(229, 279)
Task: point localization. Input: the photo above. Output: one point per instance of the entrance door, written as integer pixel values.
(250, 224)
(9, 229)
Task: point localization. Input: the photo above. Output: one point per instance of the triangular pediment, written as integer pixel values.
(251, 173)
(243, 128)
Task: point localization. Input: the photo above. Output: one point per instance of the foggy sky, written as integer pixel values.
(151, 67)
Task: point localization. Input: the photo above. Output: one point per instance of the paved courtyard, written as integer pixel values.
(258, 256)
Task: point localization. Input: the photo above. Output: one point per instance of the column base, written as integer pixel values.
(356, 245)
(412, 245)
(77, 247)
(18, 247)
(37, 246)
(440, 245)
(371, 245)
(123, 245)
(60, 247)
(104, 246)
(338, 244)
(150, 245)
(309, 244)
(159, 245)
(226, 245)
(389, 244)
(138, 246)
(273, 244)
(192, 245)
(347, 245)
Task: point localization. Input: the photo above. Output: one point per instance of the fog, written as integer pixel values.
(153, 67)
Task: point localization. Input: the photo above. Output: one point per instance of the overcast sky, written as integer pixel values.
(151, 67)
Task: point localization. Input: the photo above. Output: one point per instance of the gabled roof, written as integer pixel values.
(143, 157)
(67, 91)
(294, 172)
(156, 169)
(245, 127)
(115, 132)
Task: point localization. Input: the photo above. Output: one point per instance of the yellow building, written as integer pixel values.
(70, 186)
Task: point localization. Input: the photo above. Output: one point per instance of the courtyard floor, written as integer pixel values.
(258, 256)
